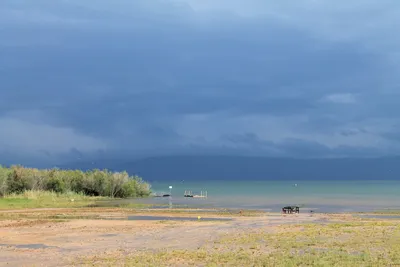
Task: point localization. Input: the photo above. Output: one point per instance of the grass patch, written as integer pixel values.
(382, 212)
(45, 199)
(341, 244)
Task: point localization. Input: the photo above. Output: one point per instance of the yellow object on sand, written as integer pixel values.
(198, 217)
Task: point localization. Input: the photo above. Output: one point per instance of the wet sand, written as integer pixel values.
(33, 239)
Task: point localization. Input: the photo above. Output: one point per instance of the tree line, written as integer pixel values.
(18, 179)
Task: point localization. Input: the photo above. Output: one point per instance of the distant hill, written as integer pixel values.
(254, 168)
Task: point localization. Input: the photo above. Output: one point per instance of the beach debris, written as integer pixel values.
(198, 218)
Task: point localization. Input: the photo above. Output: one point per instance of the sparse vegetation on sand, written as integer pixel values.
(341, 244)
(394, 212)
(16, 180)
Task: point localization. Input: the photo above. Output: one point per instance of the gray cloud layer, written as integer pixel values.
(304, 78)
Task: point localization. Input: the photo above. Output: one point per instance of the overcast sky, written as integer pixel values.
(315, 78)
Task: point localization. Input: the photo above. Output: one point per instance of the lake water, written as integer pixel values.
(321, 196)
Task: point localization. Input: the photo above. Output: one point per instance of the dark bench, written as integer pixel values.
(291, 209)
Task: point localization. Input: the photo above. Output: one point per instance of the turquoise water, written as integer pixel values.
(325, 196)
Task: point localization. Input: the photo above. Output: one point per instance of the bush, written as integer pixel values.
(4, 173)
(55, 184)
(75, 180)
(16, 182)
(94, 183)
(116, 183)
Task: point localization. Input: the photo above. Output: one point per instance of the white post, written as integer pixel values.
(170, 197)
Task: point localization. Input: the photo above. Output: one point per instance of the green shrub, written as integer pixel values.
(56, 185)
(116, 182)
(16, 183)
(75, 180)
(17, 179)
(128, 189)
(4, 173)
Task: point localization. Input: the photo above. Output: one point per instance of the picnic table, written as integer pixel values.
(291, 209)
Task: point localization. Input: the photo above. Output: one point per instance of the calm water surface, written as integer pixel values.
(323, 196)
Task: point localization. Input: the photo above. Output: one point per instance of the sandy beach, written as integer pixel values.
(72, 237)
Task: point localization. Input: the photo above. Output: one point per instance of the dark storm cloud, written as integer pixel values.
(130, 74)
